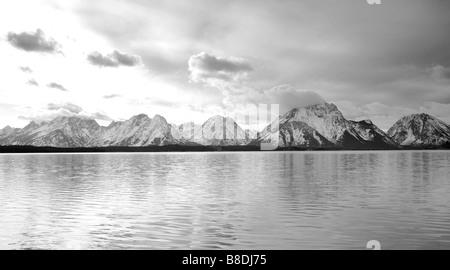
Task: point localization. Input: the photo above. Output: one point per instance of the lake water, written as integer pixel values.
(251, 200)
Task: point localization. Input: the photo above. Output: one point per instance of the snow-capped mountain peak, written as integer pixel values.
(140, 130)
(323, 125)
(220, 130)
(60, 132)
(317, 126)
(324, 118)
(420, 130)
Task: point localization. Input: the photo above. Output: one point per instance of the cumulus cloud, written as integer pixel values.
(32, 82)
(126, 59)
(33, 42)
(26, 69)
(229, 74)
(98, 59)
(57, 86)
(67, 106)
(211, 69)
(114, 59)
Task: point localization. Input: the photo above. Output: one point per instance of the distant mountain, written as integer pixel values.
(312, 127)
(324, 126)
(293, 134)
(220, 131)
(140, 130)
(372, 135)
(420, 130)
(184, 133)
(60, 132)
(7, 131)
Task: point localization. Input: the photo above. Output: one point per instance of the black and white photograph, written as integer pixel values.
(225, 125)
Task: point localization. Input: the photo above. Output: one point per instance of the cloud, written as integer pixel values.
(357, 53)
(382, 115)
(210, 69)
(32, 82)
(52, 111)
(289, 97)
(26, 69)
(114, 59)
(439, 110)
(229, 74)
(46, 116)
(440, 72)
(346, 51)
(57, 86)
(126, 59)
(112, 96)
(375, 108)
(100, 116)
(33, 42)
(286, 96)
(67, 106)
(98, 59)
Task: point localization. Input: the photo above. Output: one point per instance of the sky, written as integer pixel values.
(190, 60)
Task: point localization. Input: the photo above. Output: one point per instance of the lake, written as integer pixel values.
(236, 200)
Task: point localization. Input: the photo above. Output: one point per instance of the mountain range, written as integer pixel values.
(312, 127)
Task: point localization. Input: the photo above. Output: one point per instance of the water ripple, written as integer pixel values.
(279, 200)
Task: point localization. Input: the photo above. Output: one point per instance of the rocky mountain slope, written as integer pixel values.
(420, 130)
(60, 132)
(318, 126)
(372, 135)
(324, 126)
(219, 130)
(139, 131)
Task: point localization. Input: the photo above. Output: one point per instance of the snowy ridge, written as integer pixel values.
(324, 126)
(318, 126)
(139, 131)
(60, 132)
(219, 130)
(420, 130)
(371, 133)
